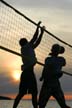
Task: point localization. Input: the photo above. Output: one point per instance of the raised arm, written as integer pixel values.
(35, 34)
(39, 38)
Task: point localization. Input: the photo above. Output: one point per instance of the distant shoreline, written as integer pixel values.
(5, 98)
(68, 98)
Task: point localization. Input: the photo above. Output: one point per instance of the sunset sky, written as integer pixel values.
(56, 15)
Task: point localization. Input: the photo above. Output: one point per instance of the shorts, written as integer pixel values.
(28, 82)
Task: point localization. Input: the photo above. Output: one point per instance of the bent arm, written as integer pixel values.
(43, 74)
(44, 71)
(64, 62)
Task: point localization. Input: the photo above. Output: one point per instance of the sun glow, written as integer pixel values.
(16, 75)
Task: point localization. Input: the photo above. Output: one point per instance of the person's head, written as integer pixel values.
(62, 50)
(57, 49)
(23, 41)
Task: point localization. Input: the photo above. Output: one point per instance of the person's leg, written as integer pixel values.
(33, 88)
(34, 92)
(58, 94)
(34, 100)
(17, 100)
(22, 91)
(44, 96)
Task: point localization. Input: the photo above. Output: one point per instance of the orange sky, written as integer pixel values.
(56, 20)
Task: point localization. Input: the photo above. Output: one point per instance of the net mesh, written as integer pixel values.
(14, 26)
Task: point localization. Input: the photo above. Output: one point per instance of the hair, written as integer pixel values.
(62, 50)
(57, 49)
(23, 41)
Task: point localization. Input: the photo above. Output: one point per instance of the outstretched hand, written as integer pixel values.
(39, 23)
(43, 27)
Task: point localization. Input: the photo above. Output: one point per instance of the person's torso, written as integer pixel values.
(56, 63)
(28, 55)
(53, 67)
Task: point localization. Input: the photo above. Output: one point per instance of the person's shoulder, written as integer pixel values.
(48, 59)
(30, 45)
(62, 58)
(25, 47)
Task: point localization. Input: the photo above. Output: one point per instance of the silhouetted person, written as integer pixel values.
(28, 82)
(51, 73)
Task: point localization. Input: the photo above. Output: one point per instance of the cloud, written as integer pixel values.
(53, 17)
(42, 3)
(9, 86)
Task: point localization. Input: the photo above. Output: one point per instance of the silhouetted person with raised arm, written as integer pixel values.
(50, 76)
(28, 82)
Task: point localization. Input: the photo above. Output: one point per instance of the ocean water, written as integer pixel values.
(28, 104)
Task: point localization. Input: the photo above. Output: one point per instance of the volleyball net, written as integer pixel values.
(15, 25)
